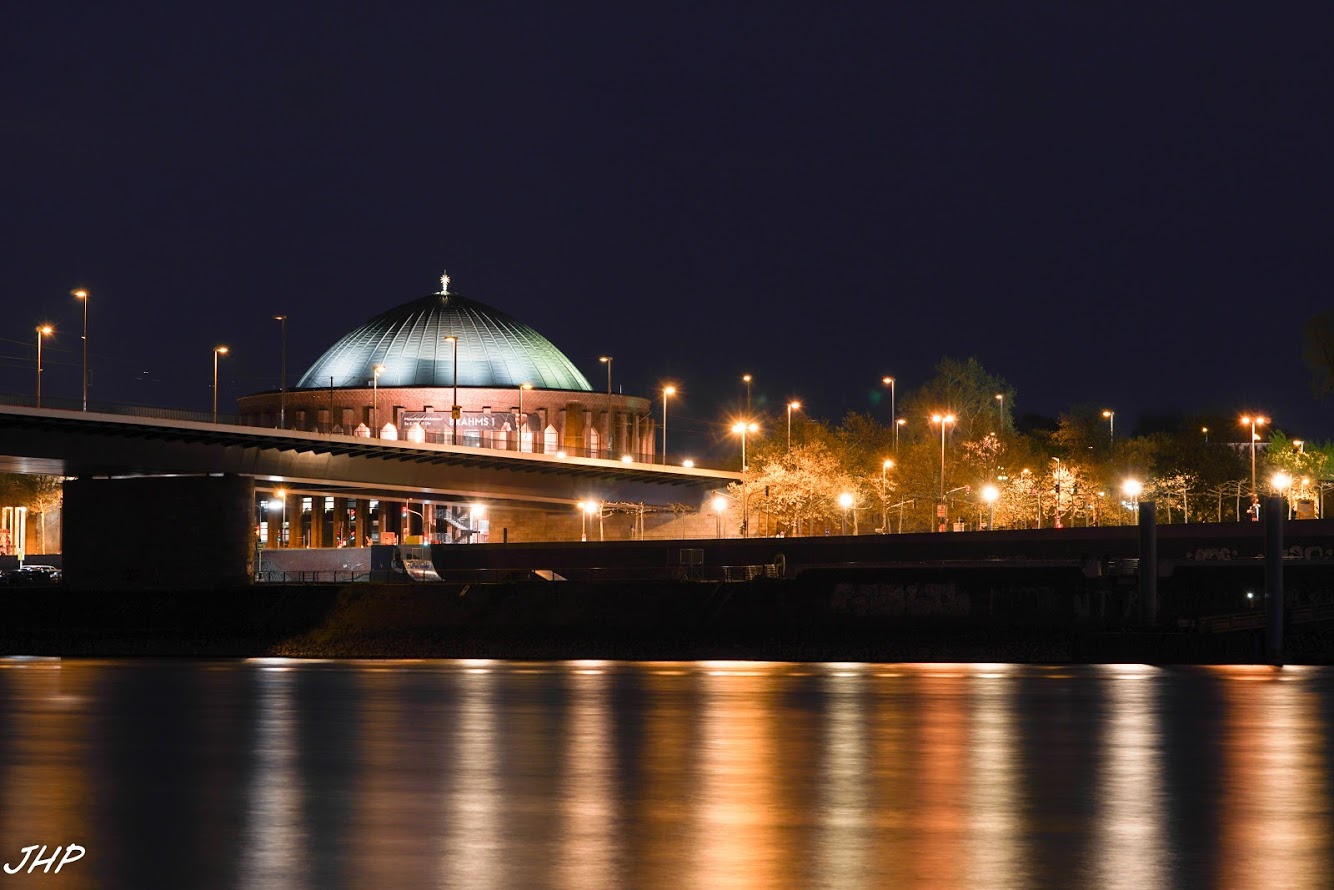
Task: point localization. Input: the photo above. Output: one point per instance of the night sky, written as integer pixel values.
(1121, 204)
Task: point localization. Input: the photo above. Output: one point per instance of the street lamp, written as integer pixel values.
(893, 412)
(282, 371)
(586, 509)
(1000, 411)
(282, 528)
(606, 359)
(743, 427)
(845, 501)
(944, 420)
(217, 351)
(1254, 421)
(1205, 430)
(83, 295)
(44, 330)
(990, 494)
(1111, 426)
(791, 406)
(455, 411)
(1282, 482)
(523, 418)
(1132, 488)
(898, 424)
(667, 391)
(884, 501)
(746, 378)
(375, 398)
(719, 508)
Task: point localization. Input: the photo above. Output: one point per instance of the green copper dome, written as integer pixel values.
(495, 350)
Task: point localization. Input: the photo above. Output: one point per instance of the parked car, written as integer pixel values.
(33, 574)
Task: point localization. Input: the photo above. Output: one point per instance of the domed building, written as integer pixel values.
(447, 369)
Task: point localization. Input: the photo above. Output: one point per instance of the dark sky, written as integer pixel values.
(1121, 204)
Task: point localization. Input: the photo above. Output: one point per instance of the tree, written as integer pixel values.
(1318, 351)
(967, 391)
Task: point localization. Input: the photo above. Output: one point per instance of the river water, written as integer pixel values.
(276, 773)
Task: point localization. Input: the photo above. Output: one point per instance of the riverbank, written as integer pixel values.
(761, 620)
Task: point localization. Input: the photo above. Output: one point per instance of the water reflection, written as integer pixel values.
(588, 774)
(1275, 811)
(1129, 844)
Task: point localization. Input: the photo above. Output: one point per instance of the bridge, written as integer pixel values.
(92, 444)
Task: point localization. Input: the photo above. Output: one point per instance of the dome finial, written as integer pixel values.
(444, 283)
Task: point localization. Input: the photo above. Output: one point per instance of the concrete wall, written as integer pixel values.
(170, 533)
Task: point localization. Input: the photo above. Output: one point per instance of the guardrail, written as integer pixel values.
(726, 574)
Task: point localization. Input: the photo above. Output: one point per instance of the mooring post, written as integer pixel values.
(1273, 515)
(1148, 563)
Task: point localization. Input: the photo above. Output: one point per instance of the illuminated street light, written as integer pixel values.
(83, 295)
(791, 406)
(1000, 410)
(746, 378)
(1111, 426)
(44, 330)
(1281, 482)
(893, 411)
(1254, 421)
(587, 509)
(455, 410)
(282, 371)
(606, 359)
(1205, 430)
(719, 508)
(742, 427)
(282, 527)
(944, 420)
(217, 351)
(990, 494)
(1132, 488)
(845, 501)
(667, 392)
(898, 425)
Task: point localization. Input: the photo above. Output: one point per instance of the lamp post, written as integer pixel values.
(83, 295)
(217, 351)
(375, 398)
(455, 412)
(1282, 482)
(743, 427)
(282, 527)
(667, 391)
(523, 418)
(1000, 412)
(44, 330)
(990, 494)
(606, 359)
(944, 420)
(719, 508)
(282, 371)
(1111, 426)
(893, 412)
(884, 501)
(845, 501)
(1131, 488)
(1254, 421)
(790, 407)
(898, 424)
(1205, 430)
(746, 378)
